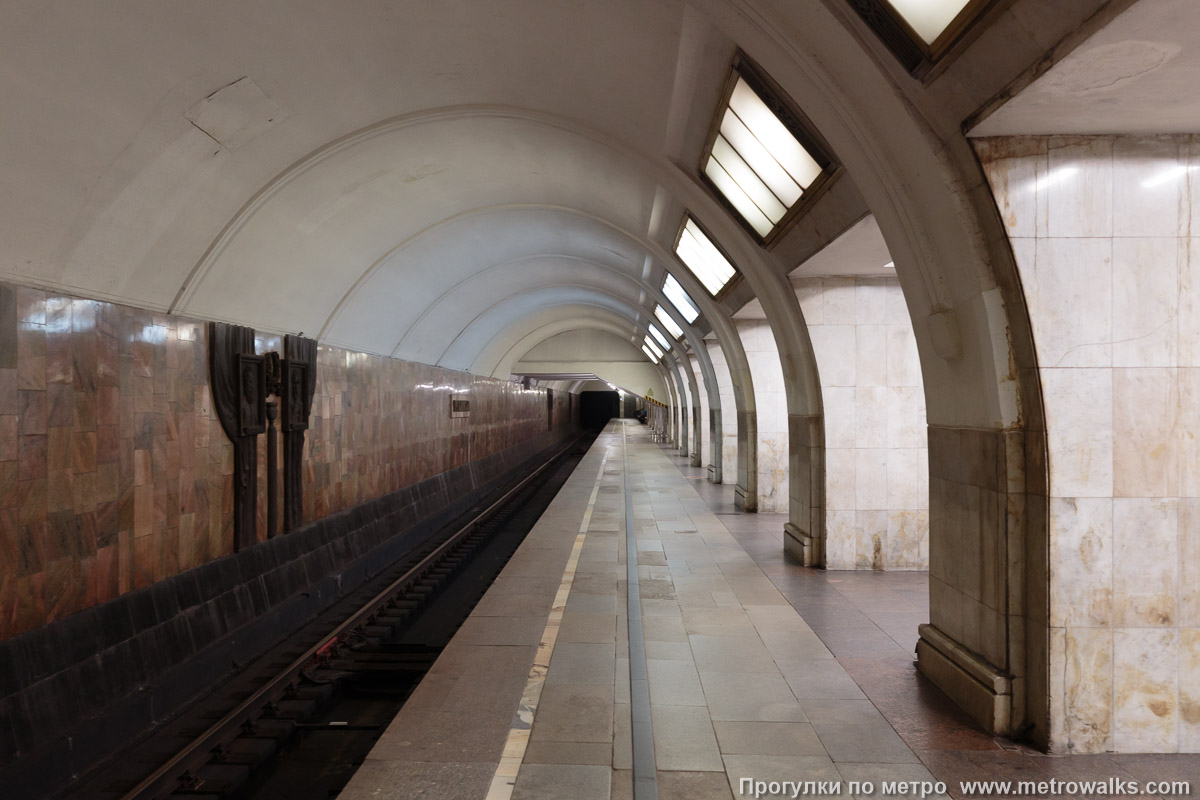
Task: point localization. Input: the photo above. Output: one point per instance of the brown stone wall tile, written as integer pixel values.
(115, 473)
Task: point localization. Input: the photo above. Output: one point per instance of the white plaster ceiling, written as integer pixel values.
(415, 179)
(1137, 75)
(859, 251)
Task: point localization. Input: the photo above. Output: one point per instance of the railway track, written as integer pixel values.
(227, 745)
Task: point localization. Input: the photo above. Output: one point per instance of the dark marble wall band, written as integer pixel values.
(114, 470)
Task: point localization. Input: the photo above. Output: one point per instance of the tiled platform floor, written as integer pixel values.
(757, 667)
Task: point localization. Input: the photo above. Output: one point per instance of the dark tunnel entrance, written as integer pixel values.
(597, 408)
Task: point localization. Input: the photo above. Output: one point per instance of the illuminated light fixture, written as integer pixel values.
(929, 18)
(649, 354)
(703, 258)
(662, 316)
(759, 157)
(653, 347)
(680, 299)
(921, 32)
(890, 265)
(658, 337)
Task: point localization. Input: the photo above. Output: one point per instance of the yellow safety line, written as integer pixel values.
(522, 724)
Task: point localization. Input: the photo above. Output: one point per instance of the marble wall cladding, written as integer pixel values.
(771, 402)
(968, 556)
(704, 446)
(1101, 228)
(379, 424)
(115, 472)
(876, 457)
(729, 427)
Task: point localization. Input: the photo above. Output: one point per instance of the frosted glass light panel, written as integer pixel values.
(649, 354)
(662, 316)
(680, 299)
(929, 18)
(703, 258)
(658, 337)
(653, 347)
(756, 161)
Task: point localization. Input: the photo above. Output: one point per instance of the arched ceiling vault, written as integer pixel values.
(364, 168)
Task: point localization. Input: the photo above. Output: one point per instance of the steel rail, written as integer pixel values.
(198, 752)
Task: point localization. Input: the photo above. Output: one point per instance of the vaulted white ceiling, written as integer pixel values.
(413, 179)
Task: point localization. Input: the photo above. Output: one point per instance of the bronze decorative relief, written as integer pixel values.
(252, 394)
(294, 396)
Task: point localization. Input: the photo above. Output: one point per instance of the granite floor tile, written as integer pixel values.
(732, 654)
(380, 779)
(558, 781)
(582, 663)
(674, 683)
(779, 768)
(750, 697)
(572, 713)
(693, 786)
(587, 753)
(820, 679)
(588, 627)
(855, 731)
(684, 739)
(767, 738)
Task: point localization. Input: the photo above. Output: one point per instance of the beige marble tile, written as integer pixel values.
(810, 294)
(871, 299)
(903, 362)
(1145, 562)
(1189, 690)
(907, 479)
(1014, 184)
(1081, 555)
(838, 301)
(1069, 292)
(1088, 689)
(840, 416)
(840, 479)
(906, 424)
(1189, 562)
(1078, 187)
(1079, 412)
(871, 346)
(871, 545)
(871, 479)
(1187, 431)
(1189, 296)
(1148, 191)
(1146, 299)
(1145, 690)
(897, 307)
(907, 539)
(871, 416)
(837, 354)
(1145, 448)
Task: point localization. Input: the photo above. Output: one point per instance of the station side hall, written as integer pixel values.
(534, 399)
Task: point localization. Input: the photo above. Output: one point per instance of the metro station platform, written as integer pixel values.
(735, 664)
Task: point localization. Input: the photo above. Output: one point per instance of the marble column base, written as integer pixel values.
(714, 473)
(976, 685)
(800, 545)
(695, 459)
(743, 500)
